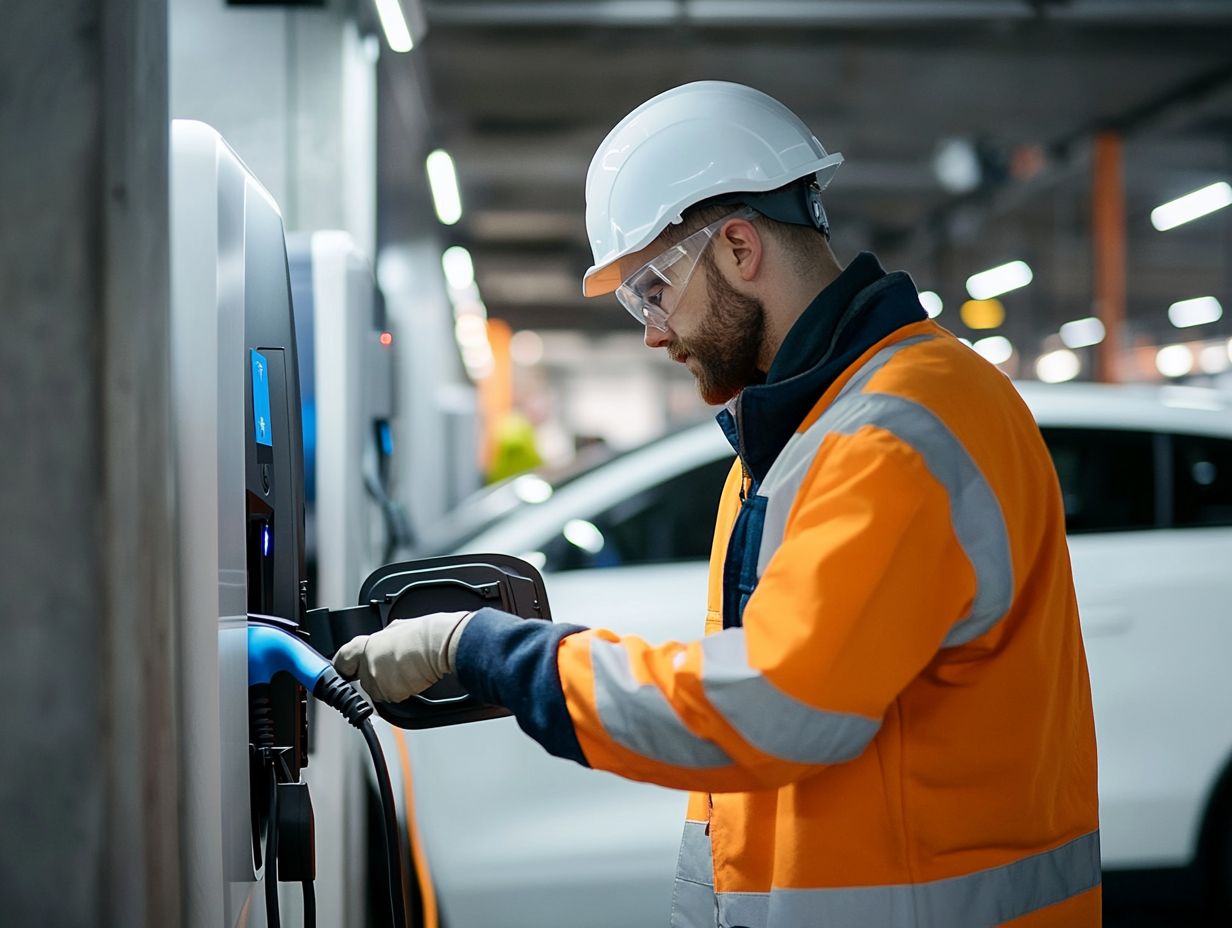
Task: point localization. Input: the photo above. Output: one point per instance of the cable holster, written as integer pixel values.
(297, 845)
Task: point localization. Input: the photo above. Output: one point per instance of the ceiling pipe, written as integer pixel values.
(794, 14)
(1066, 156)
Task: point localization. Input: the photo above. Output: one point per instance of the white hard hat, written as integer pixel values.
(686, 145)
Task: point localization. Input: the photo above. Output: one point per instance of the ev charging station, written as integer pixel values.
(240, 474)
(346, 369)
(256, 634)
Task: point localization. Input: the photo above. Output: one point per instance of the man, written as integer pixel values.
(888, 720)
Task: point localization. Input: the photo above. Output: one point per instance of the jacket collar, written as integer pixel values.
(859, 308)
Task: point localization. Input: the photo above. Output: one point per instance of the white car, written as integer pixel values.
(516, 838)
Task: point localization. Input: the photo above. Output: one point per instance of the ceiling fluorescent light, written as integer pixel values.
(393, 22)
(1058, 366)
(1198, 311)
(1213, 359)
(1174, 360)
(1082, 333)
(998, 280)
(1191, 206)
(458, 267)
(931, 302)
(443, 179)
(996, 349)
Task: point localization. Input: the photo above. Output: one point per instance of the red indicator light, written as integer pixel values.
(387, 338)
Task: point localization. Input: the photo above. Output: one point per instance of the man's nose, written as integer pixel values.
(656, 338)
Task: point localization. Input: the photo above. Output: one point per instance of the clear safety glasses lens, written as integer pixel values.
(652, 291)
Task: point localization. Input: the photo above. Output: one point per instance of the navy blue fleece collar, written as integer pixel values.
(859, 308)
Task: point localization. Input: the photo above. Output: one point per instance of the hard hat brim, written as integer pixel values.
(600, 281)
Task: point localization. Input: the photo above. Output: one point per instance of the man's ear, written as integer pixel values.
(741, 246)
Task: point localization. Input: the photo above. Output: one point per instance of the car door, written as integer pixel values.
(1147, 515)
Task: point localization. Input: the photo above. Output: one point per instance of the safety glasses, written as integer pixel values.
(652, 291)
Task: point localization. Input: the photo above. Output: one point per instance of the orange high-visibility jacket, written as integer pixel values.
(888, 721)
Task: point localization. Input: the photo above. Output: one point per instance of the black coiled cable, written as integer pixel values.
(393, 845)
(310, 904)
(335, 692)
(272, 917)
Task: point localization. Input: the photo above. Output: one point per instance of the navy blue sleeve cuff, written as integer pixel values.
(509, 661)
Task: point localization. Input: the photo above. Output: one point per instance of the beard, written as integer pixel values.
(728, 348)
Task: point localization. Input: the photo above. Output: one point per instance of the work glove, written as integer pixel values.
(404, 658)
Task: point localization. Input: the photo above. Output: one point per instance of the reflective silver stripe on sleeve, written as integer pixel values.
(769, 719)
(638, 716)
(985, 898)
(974, 509)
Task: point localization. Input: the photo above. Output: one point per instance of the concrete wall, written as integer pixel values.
(88, 794)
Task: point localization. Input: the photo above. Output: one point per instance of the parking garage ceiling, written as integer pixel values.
(521, 93)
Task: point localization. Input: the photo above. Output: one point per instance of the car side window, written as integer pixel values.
(665, 522)
(1107, 478)
(1201, 481)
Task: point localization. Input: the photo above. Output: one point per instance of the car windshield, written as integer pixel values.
(483, 509)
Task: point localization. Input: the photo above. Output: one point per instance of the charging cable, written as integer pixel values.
(272, 650)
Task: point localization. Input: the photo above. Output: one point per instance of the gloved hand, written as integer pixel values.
(404, 658)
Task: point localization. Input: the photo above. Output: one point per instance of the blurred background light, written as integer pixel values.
(1213, 359)
(982, 314)
(1082, 333)
(393, 24)
(998, 280)
(443, 181)
(1174, 360)
(1058, 366)
(458, 267)
(471, 331)
(956, 165)
(531, 488)
(1191, 206)
(469, 303)
(996, 349)
(584, 535)
(932, 303)
(526, 348)
(1199, 311)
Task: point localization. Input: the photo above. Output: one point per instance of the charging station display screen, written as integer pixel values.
(261, 400)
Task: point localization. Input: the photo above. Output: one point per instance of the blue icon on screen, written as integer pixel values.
(261, 400)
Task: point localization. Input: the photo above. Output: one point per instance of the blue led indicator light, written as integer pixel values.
(265, 541)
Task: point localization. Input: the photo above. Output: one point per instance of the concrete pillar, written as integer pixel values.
(1108, 235)
(89, 789)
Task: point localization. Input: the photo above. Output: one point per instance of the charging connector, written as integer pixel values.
(273, 649)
